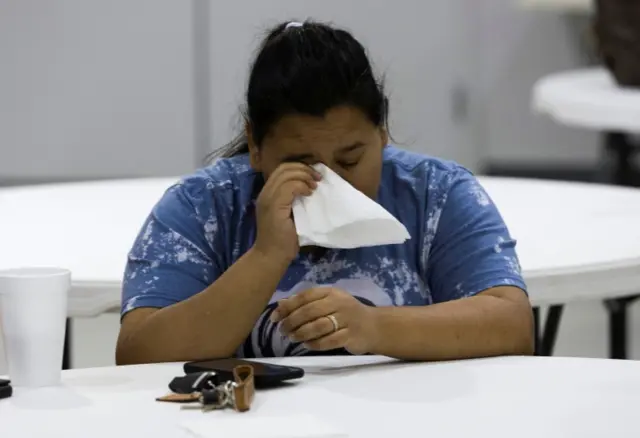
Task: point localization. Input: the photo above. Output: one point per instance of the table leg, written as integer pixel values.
(617, 309)
(621, 151)
(546, 340)
(66, 354)
(536, 330)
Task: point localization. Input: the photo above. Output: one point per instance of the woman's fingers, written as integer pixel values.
(302, 301)
(301, 323)
(276, 230)
(332, 341)
(312, 330)
(293, 171)
(283, 187)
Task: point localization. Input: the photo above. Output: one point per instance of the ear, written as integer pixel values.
(384, 137)
(254, 152)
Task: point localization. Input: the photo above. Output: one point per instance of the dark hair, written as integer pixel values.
(307, 68)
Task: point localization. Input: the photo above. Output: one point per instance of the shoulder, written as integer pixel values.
(222, 185)
(223, 175)
(421, 173)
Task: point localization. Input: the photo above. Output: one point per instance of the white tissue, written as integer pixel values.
(337, 215)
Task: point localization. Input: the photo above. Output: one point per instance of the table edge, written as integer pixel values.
(618, 279)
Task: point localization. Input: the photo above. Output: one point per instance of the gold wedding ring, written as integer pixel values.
(334, 321)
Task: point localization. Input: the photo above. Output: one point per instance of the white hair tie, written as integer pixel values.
(293, 24)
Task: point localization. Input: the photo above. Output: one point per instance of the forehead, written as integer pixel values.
(338, 128)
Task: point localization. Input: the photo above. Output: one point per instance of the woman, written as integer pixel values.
(217, 272)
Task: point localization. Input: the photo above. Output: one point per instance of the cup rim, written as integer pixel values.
(34, 272)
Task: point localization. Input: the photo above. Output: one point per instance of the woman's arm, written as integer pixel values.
(470, 266)
(191, 329)
(496, 322)
(477, 305)
(180, 302)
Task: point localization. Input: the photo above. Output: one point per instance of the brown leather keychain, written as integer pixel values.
(210, 395)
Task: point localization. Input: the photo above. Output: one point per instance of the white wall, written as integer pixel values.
(95, 88)
(518, 47)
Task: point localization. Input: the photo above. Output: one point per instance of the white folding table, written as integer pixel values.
(350, 397)
(591, 99)
(575, 241)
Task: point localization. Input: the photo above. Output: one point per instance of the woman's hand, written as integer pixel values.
(277, 235)
(309, 317)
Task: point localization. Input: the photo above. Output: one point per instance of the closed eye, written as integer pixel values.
(349, 165)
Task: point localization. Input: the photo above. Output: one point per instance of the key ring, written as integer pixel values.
(222, 396)
(207, 394)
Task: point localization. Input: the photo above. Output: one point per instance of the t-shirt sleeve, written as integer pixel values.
(471, 250)
(173, 256)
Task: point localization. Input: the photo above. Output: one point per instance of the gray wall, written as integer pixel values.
(95, 88)
(518, 47)
(418, 45)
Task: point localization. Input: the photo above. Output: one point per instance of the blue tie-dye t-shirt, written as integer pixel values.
(459, 244)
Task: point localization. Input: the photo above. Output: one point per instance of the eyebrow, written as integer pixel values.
(295, 158)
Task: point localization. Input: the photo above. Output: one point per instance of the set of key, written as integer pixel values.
(206, 392)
